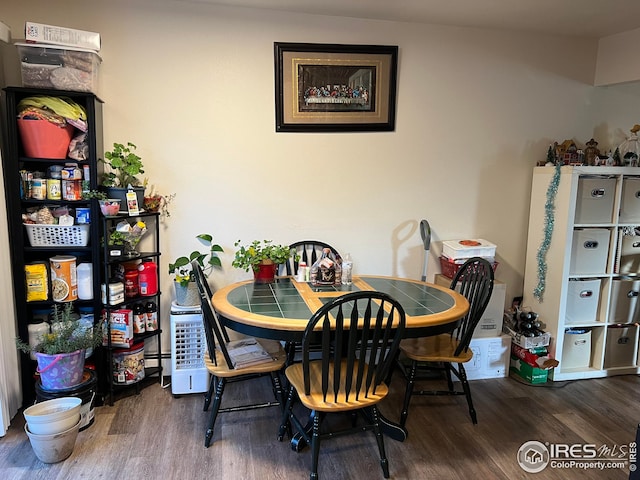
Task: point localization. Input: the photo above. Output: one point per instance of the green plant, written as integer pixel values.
(97, 194)
(67, 334)
(208, 260)
(124, 165)
(250, 256)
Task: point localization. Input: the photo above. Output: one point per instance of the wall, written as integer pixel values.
(193, 86)
(617, 59)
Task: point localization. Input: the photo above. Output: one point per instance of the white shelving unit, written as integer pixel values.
(593, 269)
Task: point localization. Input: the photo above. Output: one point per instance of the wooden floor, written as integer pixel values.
(154, 435)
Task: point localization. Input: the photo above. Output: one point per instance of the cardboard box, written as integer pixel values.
(490, 358)
(526, 342)
(60, 68)
(490, 325)
(53, 35)
(526, 372)
(120, 327)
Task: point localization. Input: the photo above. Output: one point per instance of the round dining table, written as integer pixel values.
(282, 309)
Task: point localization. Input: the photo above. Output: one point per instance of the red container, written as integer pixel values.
(147, 278)
(43, 139)
(449, 267)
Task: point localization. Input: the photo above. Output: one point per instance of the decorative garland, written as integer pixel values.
(549, 220)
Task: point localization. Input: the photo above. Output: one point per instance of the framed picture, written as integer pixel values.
(335, 88)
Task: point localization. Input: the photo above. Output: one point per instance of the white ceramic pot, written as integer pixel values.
(55, 447)
(53, 416)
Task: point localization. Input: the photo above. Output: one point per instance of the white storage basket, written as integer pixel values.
(57, 235)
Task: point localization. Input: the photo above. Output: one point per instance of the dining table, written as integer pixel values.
(282, 309)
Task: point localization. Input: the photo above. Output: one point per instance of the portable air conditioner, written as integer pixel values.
(188, 346)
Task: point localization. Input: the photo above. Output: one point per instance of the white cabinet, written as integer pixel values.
(592, 262)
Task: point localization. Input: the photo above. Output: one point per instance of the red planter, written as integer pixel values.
(266, 273)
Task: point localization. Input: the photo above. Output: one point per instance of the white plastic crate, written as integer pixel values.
(188, 346)
(468, 248)
(57, 235)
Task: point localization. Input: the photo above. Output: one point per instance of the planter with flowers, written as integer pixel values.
(184, 282)
(262, 257)
(124, 167)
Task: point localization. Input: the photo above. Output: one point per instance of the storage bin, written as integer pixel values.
(590, 250)
(582, 301)
(43, 139)
(630, 206)
(456, 249)
(60, 68)
(57, 235)
(576, 352)
(450, 267)
(629, 254)
(594, 202)
(623, 303)
(620, 346)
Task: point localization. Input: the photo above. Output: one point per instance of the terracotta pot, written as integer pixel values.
(266, 272)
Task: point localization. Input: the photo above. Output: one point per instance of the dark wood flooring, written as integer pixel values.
(156, 436)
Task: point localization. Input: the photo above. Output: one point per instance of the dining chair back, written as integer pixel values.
(223, 366)
(474, 280)
(307, 251)
(359, 334)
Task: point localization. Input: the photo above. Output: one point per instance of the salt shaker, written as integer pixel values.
(347, 269)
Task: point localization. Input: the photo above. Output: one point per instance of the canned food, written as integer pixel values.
(54, 191)
(72, 190)
(39, 188)
(64, 278)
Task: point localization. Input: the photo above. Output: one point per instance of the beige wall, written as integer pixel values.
(193, 86)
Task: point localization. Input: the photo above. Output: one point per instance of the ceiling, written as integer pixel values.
(576, 18)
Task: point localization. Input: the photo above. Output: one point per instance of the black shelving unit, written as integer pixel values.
(21, 251)
(111, 269)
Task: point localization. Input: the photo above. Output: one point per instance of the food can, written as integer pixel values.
(39, 188)
(64, 278)
(72, 190)
(128, 364)
(54, 189)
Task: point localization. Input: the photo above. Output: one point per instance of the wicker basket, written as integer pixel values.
(57, 235)
(450, 267)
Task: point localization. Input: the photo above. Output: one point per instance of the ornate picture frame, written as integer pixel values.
(335, 88)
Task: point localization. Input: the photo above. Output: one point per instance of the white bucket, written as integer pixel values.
(53, 416)
(55, 447)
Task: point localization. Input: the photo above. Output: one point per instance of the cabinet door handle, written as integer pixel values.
(591, 244)
(635, 244)
(632, 293)
(638, 194)
(597, 192)
(586, 293)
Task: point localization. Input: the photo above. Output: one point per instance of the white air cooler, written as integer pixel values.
(188, 346)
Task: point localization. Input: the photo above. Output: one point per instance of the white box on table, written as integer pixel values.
(476, 247)
(490, 325)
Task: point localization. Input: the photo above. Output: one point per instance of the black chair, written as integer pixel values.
(360, 334)
(474, 280)
(220, 365)
(307, 251)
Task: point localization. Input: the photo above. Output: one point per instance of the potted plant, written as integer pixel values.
(262, 257)
(60, 354)
(124, 166)
(184, 281)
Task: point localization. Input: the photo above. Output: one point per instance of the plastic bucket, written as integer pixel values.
(60, 371)
(86, 391)
(43, 139)
(53, 416)
(55, 447)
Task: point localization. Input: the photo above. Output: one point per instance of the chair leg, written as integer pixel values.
(447, 370)
(467, 392)
(408, 393)
(214, 411)
(384, 463)
(315, 446)
(285, 423)
(277, 389)
(207, 396)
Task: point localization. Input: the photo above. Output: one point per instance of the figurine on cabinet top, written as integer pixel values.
(592, 153)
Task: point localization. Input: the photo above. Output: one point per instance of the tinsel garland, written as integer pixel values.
(549, 220)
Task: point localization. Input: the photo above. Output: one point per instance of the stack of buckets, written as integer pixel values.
(52, 427)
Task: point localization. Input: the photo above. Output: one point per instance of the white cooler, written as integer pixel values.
(188, 346)
(594, 202)
(582, 301)
(590, 251)
(621, 346)
(576, 352)
(623, 303)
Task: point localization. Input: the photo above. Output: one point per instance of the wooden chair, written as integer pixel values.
(474, 280)
(219, 363)
(360, 334)
(309, 251)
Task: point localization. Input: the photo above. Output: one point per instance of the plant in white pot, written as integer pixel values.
(184, 281)
(124, 166)
(61, 353)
